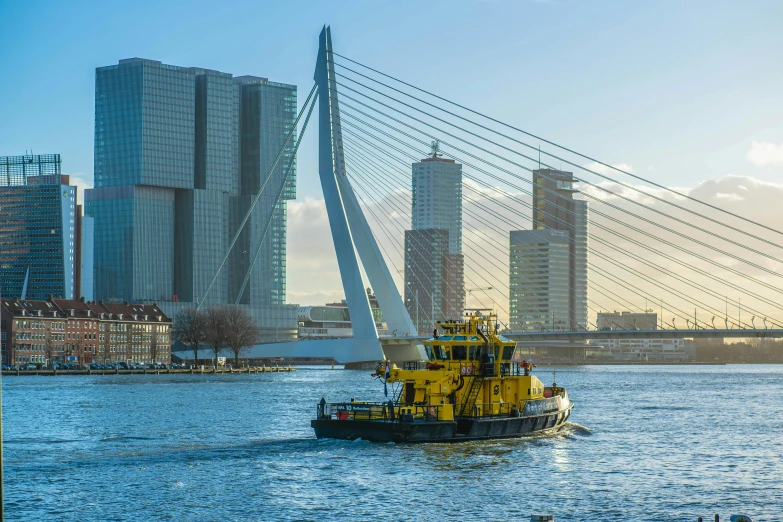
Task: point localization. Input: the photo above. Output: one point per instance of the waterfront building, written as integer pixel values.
(38, 232)
(179, 154)
(627, 321)
(555, 210)
(82, 332)
(333, 321)
(641, 350)
(434, 264)
(637, 350)
(538, 280)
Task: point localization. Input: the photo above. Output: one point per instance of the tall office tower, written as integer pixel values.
(539, 279)
(179, 154)
(556, 209)
(437, 197)
(435, 272)
(267, 111)
(38, 232)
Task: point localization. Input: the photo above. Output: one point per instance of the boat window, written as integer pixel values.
(474, 338)
(430, 355)
(508, 352)
(445, 338)
(497, 351)
(459, 353)
(460, 338)
(441, 353)
(475, 353)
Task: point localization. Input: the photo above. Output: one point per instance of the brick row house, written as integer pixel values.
(61, 330)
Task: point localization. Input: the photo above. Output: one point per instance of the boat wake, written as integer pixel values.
(576, 429)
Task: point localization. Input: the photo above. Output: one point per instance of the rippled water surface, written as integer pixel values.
(645, 443)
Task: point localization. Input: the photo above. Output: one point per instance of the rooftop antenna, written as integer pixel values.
(435, 148)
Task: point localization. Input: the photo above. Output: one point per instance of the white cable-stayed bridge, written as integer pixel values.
(706, 271)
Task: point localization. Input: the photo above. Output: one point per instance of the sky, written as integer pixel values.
(686, 93)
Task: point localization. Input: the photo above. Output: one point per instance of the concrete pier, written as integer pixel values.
(147, 371)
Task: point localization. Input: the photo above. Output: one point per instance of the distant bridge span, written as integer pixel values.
(701, 333)
(404, 348)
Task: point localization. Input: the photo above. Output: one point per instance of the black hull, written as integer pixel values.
(461, 430)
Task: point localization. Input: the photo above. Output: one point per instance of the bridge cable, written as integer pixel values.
(594, 211)
(701, 243)
(679, 194)
(691, 283)
(683, 315)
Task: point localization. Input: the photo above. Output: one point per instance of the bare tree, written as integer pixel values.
(190, 329)
(104, 343)
(242, 333)
(216, 330)
(49, 346)
(154, 344)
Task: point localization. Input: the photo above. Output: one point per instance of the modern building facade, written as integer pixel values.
(82, 332)
(434, 264)
(180, 152)
(539, 271)
(554, 210)
(38, 228)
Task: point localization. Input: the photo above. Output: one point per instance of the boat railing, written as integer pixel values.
(414, 365)
(379, 411)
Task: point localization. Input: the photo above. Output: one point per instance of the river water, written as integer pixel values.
(657, 443)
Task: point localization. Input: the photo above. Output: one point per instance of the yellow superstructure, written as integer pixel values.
(469, 372)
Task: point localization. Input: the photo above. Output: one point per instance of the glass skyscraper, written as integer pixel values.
(179, 154)
(38, 230)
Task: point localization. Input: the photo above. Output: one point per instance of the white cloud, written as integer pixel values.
(80, 181)
(603, 169)
(765, 153)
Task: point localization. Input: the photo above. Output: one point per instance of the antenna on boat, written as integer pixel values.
(554, 378)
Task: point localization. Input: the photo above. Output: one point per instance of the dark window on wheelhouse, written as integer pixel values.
(430, 355)
(508, 352)
(440, 352)
(459, 353)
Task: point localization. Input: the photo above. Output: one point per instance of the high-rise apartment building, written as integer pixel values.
(179, 154)
(434, 264)
(539, 279)
(433, 278)
(38, 228)
(554, 210)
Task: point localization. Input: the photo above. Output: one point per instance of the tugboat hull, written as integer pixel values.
(461, 430)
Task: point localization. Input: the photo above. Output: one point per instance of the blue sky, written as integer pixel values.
(679, 90)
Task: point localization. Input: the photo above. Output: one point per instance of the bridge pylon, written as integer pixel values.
(353, 240)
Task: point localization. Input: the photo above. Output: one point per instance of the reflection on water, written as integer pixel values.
(167, 447)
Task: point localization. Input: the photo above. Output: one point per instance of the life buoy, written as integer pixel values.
(433, 411)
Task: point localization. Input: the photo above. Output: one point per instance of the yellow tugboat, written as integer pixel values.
(469, 389)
